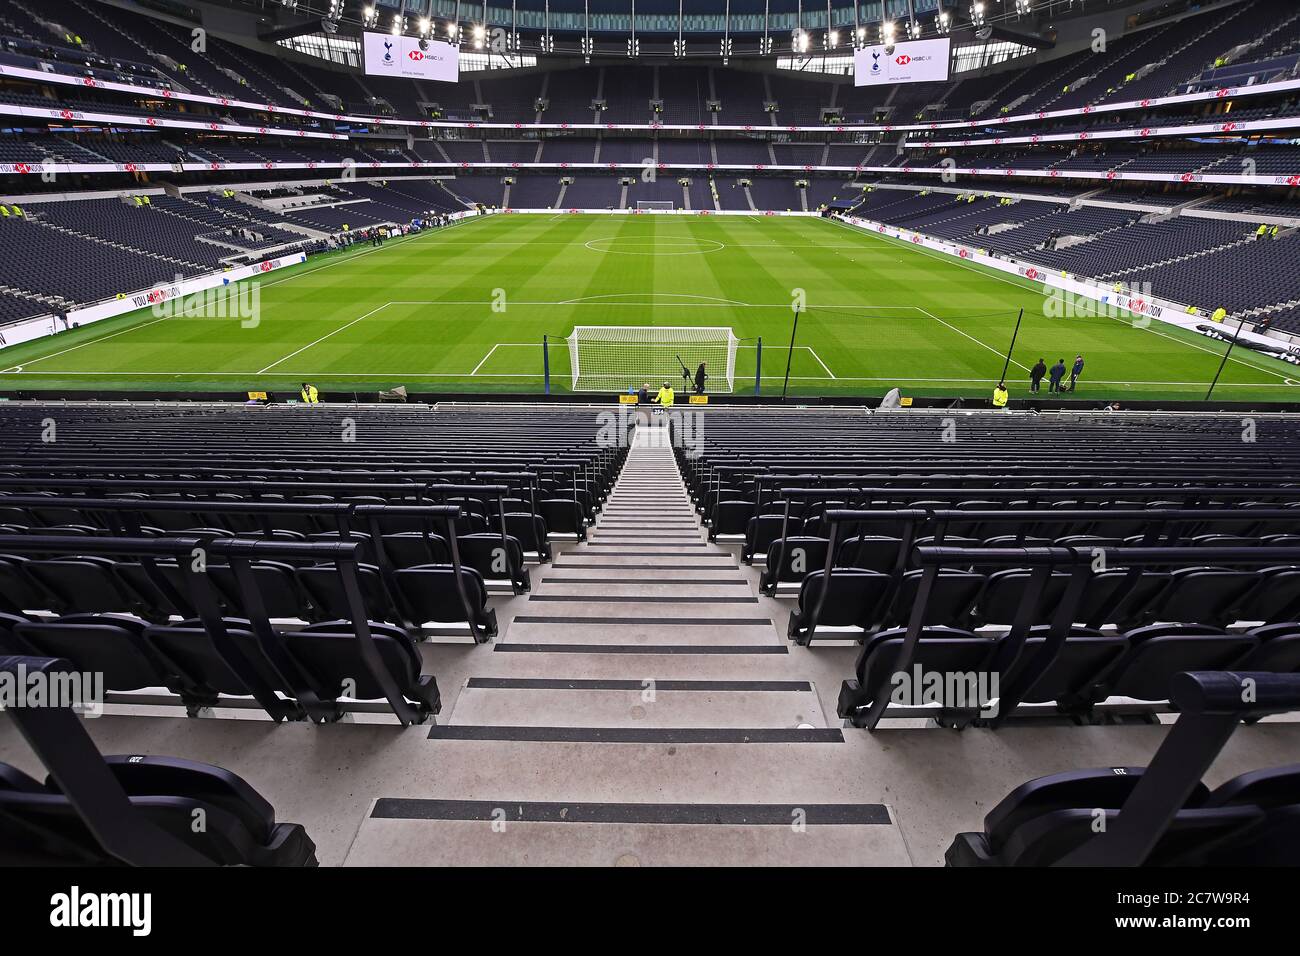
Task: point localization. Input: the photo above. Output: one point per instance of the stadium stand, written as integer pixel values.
(567, 609)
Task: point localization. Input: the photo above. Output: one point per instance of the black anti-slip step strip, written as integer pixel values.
(566, 566)
(613, 582)
(560, 683)
(648, 554)
(641, 735)
(669, 649)
(640, 599)
(688, 814)
(664, 621)
(671, 544)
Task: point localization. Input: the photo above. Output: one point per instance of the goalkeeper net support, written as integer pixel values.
(655, 205)
(616, 358)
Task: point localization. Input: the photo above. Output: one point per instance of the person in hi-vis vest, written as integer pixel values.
(665, 397)
(309, 394)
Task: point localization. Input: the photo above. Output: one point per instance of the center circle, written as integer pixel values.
(633, 246)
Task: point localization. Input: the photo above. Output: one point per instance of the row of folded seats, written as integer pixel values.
(552, 515)
(858, 599)
(318, 663)
(494, 557)
(876, 552)
(1091, 667)
(426, 593)
(760, 531)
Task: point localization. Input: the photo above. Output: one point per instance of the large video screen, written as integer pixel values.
(388, 55)
(914, 61)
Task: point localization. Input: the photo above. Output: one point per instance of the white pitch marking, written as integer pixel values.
(235, 285)
(323, 338)
(485, 358)
(969, 336)
(970, 267)
(820, 362)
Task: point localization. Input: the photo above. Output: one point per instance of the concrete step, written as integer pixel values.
(742, 625)
(505, 832)
(648, 702)
(642, 588)
(605, 557)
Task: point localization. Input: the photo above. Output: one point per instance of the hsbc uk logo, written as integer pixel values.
(902, 59)
(415, 55)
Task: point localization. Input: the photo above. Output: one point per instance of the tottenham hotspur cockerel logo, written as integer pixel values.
(388, 51)
(875, 61)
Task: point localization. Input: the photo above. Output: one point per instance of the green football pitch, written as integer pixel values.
(465, 309)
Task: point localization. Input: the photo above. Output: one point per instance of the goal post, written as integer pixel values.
(606, 358)
(655, 205)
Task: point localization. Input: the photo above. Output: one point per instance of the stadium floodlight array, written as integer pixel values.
(655, 205)
(616, 358)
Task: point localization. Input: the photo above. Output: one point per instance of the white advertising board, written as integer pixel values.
(914, 61)
(388, 55)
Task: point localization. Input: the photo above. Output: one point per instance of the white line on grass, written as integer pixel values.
(485, 358)
(812, 378)
(95, 341)
(232, 289)
(990, 275)
(674, 305)
(820, 362)
(969, 336)
(323, 338)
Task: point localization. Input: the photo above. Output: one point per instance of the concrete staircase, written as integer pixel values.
(632, 713)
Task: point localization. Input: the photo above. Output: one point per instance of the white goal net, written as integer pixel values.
(655, 205)
(616, 358)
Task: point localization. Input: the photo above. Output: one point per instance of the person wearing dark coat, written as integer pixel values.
(1036, 375)
(700, 376)
(1055, 375)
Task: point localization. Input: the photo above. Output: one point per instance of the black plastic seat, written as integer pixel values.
(763, 529)
(275, 581)
(1275, 597)
(1278, 650)
(1204, 595)
(432, 595)
(872, 552)
(1083, 660)
(950, 600)
(493, 558)
(730, 518)
(1159, 651)
(792, 559)
(410, 549)
(204, 673)
(112, 644)
(530, 531)
(328, 653)
(854, 593)
(324, 590)
(562, 516)
(18, 591)
(940, 650)
(38, 823)
(82, 584)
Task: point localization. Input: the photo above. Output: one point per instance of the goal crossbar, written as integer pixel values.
(620, 357)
